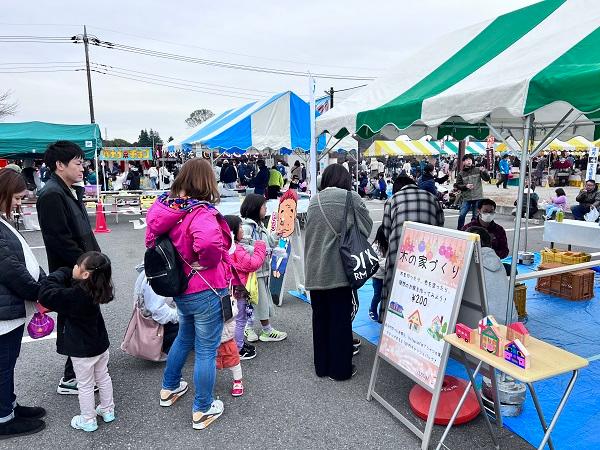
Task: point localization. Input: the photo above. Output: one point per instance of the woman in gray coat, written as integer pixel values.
(331, 297)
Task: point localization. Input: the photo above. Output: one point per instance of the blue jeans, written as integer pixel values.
(377, 286)
(467, 205)
(550, 210)
(10, 347)
(579, 211)
(200, 327)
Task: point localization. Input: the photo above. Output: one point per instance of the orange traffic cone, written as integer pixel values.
(101, 226)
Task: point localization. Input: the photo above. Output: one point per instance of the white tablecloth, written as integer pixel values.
(572, 232)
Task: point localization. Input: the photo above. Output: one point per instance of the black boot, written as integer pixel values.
(29, 412)
(20, 427)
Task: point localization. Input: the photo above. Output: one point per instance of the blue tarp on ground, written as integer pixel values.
(565, 324)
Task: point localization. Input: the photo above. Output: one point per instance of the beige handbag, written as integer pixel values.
(144, 337)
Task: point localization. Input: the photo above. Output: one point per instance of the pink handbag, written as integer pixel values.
(41, 324)
(144, 337)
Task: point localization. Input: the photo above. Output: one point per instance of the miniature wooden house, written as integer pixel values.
(516, 353)
(517, 331)
(487, 321)
(490, 341)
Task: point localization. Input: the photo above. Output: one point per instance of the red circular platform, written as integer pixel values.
(452, 390)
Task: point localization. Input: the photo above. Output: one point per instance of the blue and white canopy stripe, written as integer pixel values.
(281, 123)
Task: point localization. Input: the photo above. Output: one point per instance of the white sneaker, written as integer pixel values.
(79, 423)
(272, 336)
(168, 397)
(202, 420)
(250, 334)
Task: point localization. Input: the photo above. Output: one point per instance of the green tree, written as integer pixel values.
(117, 143)
(198, 116)
(144, 139)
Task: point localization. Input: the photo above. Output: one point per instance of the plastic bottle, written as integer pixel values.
(560, 215)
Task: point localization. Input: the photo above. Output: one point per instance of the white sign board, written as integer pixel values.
(590, 171)
(429, 276)
(437, 278)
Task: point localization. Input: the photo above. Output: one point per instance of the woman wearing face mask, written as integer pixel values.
(486, 212)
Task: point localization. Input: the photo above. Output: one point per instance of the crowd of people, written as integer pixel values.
(222, 257)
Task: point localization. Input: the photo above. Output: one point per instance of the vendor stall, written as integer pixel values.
(532, 74)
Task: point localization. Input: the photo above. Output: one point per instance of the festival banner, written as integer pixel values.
(126, 154)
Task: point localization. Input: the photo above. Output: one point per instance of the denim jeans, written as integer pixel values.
(10, 347)
(579, 211)
(550, 210)
(377, 286)
(467, 205)
(200, 327)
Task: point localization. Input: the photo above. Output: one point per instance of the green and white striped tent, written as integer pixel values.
(541, 60)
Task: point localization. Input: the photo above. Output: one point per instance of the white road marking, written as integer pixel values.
(29, 339)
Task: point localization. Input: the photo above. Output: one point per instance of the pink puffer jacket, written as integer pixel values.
(200, 234)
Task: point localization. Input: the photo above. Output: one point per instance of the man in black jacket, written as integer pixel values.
(64, 221)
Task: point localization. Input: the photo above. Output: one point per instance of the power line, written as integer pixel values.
(174, 86)
(215, 63)
(226, 51)
(131, 71)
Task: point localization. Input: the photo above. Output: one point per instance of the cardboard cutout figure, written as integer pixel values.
(285, 229)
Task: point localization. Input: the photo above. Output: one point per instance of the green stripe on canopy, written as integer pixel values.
(503, 32)
(573, 78)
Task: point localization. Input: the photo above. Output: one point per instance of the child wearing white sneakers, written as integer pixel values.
(76, 295)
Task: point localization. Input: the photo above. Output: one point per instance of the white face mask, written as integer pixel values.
(488, 217)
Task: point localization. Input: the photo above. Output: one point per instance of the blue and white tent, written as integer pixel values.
(281, 123)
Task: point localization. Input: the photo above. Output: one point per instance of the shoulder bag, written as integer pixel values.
(358, 259)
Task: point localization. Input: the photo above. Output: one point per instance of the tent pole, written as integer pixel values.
(552, 135)
(527, 124)
(528, 202)
(357, 183)
(97, 175)
(313, 137)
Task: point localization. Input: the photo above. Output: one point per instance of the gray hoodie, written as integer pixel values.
(496, 285)
(255, 232)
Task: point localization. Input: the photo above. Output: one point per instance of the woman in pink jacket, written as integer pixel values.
(202, 237)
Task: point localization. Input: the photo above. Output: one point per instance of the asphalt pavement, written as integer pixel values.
(285, 404)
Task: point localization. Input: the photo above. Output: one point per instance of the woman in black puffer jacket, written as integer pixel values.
(19, 284)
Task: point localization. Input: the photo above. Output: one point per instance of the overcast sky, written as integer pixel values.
(346, 37)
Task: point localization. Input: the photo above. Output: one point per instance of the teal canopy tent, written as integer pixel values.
(30, 139)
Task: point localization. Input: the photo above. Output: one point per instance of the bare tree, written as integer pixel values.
(198, 116)
(7, 108)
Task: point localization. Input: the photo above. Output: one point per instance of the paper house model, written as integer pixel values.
(487, 321)
(490, 341)
(516, 353)
(463, 332)
(517, 331)
(414, 321)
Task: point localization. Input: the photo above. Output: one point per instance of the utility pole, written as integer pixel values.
(331, 92)
(89, 75)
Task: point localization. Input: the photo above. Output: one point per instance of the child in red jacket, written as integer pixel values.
(246, 259)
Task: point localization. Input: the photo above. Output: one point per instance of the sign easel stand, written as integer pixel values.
(465, 301)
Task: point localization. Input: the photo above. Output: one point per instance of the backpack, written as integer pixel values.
(164, 269)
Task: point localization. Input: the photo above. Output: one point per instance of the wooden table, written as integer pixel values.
(546, 361)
